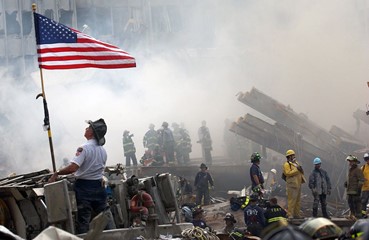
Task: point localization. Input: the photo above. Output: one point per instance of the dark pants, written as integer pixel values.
(130, 156)
(354, 204)
(255, 229)
(200, 193)
(364, 201)
(322, 199)
(91, 198)
(169, 153)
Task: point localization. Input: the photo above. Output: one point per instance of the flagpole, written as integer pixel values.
(46, 111)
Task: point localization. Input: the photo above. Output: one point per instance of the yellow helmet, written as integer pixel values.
(290, 152)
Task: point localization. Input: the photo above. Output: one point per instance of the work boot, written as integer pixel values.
(315, 212)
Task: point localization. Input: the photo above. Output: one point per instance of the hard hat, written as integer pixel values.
(254, 197)
(290, 152)
(352, 158)
(359, 227)
(288, 232)
(99, 128)
(151, 126)
(366, 156)
(187, 213)
(164, 124)
(202, 165)
(255, 157)
(197, 210)
(321, 228)
(273, 171)
(125, 132)
(230, 217)
(317, 161)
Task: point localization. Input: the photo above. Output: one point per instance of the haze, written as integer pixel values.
(311, 55)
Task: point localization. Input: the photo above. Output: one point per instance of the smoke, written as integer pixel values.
(311, 55)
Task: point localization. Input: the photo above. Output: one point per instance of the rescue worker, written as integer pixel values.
(177, 135)
(150, 139)
(88, 166)
(206, 143)
(166, 141)
(254, 216)
(365, 188)
(230, 222)
(274, 212)
(275, 217)
(256, 175)
(186, 144)
(184, 191)
(203, 181)
(320, 185)
(129, 149)
(355, 180)
(294, 179)
(198, 218)
(359, 230)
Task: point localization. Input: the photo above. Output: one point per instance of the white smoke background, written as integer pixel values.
(310, 55)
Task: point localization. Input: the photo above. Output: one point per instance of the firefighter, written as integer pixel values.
(275, 216)
(256, 175)
(150, 139)
(320, 186)
(355, 180)
(88, 167)
(198, 218)
(203, 181)
(129, 149)
(254, 216)
(230, 222)
(177, 135)
(365, 188)
(294, 179)
(206, 143)
(166, 141)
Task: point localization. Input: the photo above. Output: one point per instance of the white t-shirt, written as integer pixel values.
(91, 159)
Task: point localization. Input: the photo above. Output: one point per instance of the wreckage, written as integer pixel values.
(295, 131)
(28, 205)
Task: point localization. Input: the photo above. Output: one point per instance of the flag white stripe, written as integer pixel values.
(65, 54)
(79, 45)
(76, 62)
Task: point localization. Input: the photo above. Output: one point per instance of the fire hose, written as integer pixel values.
(199, 234)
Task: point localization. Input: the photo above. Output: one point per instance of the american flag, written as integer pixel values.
(61, 47)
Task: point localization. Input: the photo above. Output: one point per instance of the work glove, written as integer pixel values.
(300, 169)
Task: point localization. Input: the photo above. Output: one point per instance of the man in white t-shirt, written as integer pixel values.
(88, 167)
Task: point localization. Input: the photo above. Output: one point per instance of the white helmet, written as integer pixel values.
(273, 171)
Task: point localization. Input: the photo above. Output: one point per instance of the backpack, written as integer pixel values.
(284, 177)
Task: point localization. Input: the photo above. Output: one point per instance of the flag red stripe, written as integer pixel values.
(95, 58)
(77, 49)
(87, 65)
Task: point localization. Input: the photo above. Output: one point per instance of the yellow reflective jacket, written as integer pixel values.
(365, 169)
(294, 178)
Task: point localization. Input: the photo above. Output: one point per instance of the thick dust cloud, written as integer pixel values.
(311, 55)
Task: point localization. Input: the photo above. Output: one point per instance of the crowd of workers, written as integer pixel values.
(262, 220)
(91, 196)
(167, 146)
